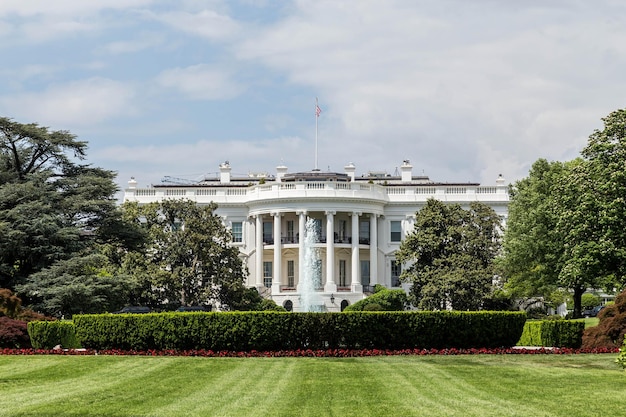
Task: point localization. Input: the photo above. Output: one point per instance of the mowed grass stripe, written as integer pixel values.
(482, 385)
(78, 381)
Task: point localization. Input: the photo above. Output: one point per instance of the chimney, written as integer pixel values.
(350, 169)
(132, 184)
(281, 170)
(406, 170)
(225, 173)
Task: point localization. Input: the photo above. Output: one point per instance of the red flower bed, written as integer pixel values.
(300, 353)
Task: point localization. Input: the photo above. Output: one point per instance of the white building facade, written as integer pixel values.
(361, 222)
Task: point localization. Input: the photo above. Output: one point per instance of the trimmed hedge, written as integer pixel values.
(557, 333)
(271, 331)
(48, 334)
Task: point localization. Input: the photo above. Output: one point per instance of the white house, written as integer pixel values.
(361, 222)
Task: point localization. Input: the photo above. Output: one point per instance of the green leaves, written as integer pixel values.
(449, 255)
(189, 258)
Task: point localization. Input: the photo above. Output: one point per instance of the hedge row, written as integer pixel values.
(557, 333)
(271, 331)
(48, 334)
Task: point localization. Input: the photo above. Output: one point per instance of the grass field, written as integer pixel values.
(472, 385)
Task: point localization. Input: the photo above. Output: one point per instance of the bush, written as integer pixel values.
(621, 358)
(553, 333)
(589, 301)
(48, 334)
(382, 300)
(246, 331)
(611, 328)
(13, 333)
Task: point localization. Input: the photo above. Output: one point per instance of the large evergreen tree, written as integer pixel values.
(449, 255)
(53, 207)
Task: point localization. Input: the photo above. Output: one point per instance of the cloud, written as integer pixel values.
(141, 42)
(457, 84)
(64, 7)
(38, 21)
(77, 103)
(200, 82)
(207, 24)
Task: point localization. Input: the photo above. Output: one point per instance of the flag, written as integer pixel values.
(317, 110)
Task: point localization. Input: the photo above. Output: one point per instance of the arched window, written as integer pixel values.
(288, 305)
(344, 304)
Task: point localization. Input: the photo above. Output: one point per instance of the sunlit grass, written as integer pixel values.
(472, 385)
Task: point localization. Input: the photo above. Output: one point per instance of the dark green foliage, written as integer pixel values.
(611, 328)
(531, 245)
(189, 258)
(449, 255)
(553, 333)
(245, 331)
(48, 334)
(13, 333)
(82, 284)
(566, 225)
(384, 300)
(52, 207)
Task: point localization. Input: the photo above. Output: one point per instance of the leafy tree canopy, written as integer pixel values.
(449, 255)
(189, 259)
(52, 206)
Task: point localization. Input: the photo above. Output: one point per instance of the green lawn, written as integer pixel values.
(478, 385)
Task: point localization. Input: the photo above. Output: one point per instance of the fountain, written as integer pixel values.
(310, 301)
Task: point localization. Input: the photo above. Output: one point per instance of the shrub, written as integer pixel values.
(611, 327)
(48, 334)
(589, 301)
(13, 333)
(553, 333)
(383, 300)
(621, 358)
(246, 331)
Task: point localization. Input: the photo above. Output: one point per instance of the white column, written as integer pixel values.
(259, 251)
(301, 232)
(356, 268)
(277, 254)
(330, 286)
(373, 249)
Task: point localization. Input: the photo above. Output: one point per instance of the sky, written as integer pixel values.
(465, 90)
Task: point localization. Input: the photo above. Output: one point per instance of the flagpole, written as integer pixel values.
(317, 115)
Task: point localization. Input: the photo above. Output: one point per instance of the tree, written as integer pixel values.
(531, 245)
(82, 284)
(189, 258)
(449, 255)
(52, 207)
(566, 223)
(606, 156)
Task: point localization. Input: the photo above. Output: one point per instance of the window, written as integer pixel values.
(342, 273)
(291, 278)
(237, 230)
(396, 270)
(267, 274)
(365, 273)
(290, 232)
(268, 231)
(364, 232)
(341, 236)
(396, 231)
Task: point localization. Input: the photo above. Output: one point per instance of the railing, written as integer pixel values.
(330, 189)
